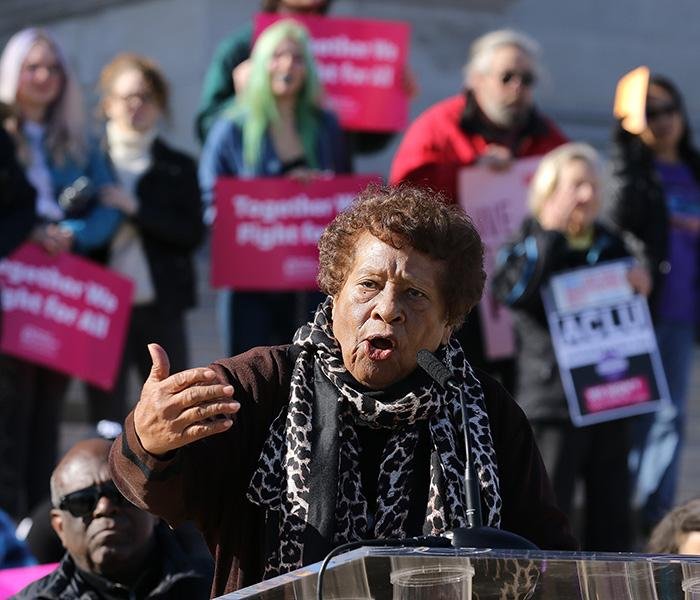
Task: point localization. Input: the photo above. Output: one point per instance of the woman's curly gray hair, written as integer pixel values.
(409, 216)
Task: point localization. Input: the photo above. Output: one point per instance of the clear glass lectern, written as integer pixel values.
(466, 574)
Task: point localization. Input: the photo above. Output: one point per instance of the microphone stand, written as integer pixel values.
(471, 485)
(475, 534)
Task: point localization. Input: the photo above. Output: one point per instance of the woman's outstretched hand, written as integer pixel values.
(175, 410)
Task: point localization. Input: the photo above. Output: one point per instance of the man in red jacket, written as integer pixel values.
(493, 121)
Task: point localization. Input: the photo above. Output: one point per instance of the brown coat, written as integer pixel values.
(206, 481)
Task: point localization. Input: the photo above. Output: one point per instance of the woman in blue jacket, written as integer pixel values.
(72, 179)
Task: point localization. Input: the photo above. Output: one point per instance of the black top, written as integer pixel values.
(169, 221)
(372, 444)
(17, 196)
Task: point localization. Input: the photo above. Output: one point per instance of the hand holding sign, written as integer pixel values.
(496, 158)
(604, 342)
(175, 410)
(640, 280)
(53, 238)
(304, 174)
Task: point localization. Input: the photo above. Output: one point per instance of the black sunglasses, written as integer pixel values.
(82, 503)
(666, 110)
(526, 78)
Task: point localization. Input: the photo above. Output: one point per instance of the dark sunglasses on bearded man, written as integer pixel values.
(82, 503)
(526, 78)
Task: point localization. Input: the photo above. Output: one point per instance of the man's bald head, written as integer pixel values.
(93, 451)
(98, 527)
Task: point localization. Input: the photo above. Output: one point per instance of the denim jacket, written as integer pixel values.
(222, 154)
(96, 228)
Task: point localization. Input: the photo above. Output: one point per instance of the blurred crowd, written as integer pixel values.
(119, 194)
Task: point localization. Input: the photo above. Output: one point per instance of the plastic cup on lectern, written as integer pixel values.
(691, 587)
(437, 582)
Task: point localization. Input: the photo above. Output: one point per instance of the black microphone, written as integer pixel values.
(475, 535)
(439, 373)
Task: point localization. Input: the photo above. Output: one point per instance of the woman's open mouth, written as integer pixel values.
(379, 347)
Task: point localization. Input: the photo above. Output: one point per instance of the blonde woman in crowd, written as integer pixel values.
(561, 234)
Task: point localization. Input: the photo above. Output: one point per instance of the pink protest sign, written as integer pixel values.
(266, 230)
(497, 201)
(361, 64)
(610, 395)
(64, 312)
(14, 580)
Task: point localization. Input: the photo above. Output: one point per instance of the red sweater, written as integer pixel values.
(436, 145)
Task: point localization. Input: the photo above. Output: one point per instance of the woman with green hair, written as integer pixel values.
(276, 128)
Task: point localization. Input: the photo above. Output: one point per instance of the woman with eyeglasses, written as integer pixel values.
(656, 196)
(71, 175)
(277, 128)
(162, 224)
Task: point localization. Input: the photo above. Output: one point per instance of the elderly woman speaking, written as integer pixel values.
(282, 453)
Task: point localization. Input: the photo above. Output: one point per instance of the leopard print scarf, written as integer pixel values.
(280, 482)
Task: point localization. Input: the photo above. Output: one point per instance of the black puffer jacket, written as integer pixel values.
(636, 201)
(176, 578)
(525, 267)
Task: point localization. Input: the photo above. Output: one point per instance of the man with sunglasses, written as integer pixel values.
(492, 122)
(114, 549)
